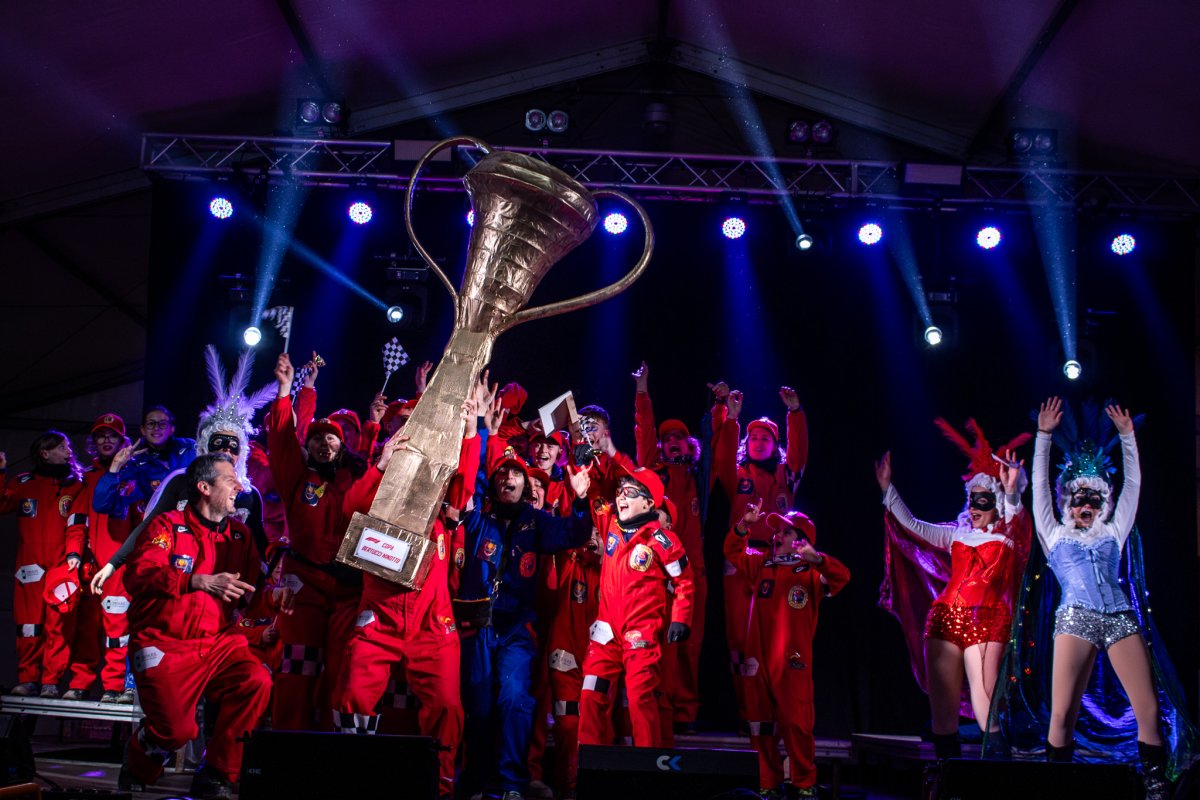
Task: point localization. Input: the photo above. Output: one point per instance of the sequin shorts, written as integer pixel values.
(967, 625)
(1102, 630)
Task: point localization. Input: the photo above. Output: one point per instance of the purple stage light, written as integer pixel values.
(870, 233)
(360, 213)
(471, 218)
(615, 223)
(988, 237)
(733, 227)
(220, 208)
(1124, 244)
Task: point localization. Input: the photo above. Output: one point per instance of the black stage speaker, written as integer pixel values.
(16, 754)
(322, 766)
(963, 779)
(626, 773)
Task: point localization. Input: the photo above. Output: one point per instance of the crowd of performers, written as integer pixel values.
(567, 582)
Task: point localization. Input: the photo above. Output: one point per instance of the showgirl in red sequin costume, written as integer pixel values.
(968, 620)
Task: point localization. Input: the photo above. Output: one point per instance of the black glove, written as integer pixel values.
(678, 632)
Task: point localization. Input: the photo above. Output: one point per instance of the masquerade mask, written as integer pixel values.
(982, 501)
(220, 441)
(1087, 497)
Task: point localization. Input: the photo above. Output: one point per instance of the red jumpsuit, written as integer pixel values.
(103, 534)
(43, 504)
(314, 635)
(258, 469)
(185, 645)
(396, 625)
(743, 484)
(628, 634)
(576, 608)
(679, 480)
(778, 663)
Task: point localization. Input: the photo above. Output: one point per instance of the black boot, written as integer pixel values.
(946, 745)
(1154, 771)
(1060, 755)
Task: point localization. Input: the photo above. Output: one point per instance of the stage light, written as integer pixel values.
(360, 212)
(395, 315)
(797, 131)
(615, 223)
(1072, 369)
(308, 112)
(804, 242)
(988, 237)
(220, 208)
(733, 227)
(557, 121)
(471, 218)
(822, 132)
(870, 233)
(252, 336)
(535, 120)
(1123, 244)
(331, 112)
(933, 336)
(1037, 142)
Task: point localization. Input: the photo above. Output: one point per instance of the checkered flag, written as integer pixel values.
(282, 317)
(394, 358)
(302, 373)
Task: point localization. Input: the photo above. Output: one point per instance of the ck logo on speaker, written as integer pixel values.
(669, 763)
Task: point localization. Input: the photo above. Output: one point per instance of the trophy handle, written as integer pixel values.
(479, 144)
(599, 295)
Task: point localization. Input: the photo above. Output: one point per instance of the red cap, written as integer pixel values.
(673, 426)
(794, 519)
(62, 587)
(513, 397)
(322, 426)
(515, 463)
(649, 479)
(555, 437)
(767, 425)
(110, 421)
(393, 409)
(539, 475)
(669, 506)
(344, 415)
(409, 405)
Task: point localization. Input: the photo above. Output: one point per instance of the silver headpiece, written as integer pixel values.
(231, 410)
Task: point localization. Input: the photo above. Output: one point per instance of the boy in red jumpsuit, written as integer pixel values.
(640, 557)
(789, 581)
(190, 570)
(102, 535)
(42, 498)
(669, 451)
(757, 468)
(415, 628)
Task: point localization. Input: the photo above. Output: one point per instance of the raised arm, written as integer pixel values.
(283, 447)
(938, 535)
(1125, 511)
(797, 435)
(747, 564)
(644, 433)
(1044, 521)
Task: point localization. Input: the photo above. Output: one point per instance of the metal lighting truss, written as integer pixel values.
(678, 176)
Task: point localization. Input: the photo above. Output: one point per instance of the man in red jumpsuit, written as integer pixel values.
(95, 536)
(790, 578)
(669, 450)
(749, 471)
(414, 628)
(190, 571)
(640, 557)
(42, 498)
(313, 482)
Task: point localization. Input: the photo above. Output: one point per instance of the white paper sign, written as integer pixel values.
(379, 548)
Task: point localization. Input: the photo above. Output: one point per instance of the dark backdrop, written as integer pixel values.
(836, 323)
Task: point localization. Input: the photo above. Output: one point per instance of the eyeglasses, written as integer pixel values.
(219, 441)
(156, 424)
(106, 436)
(631, 492)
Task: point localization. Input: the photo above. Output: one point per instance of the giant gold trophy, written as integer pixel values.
(528, 215)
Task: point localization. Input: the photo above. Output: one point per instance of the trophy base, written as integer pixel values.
(386, 551)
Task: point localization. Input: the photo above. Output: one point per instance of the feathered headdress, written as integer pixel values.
(1087, 441)
(983, 471)
(231, 411)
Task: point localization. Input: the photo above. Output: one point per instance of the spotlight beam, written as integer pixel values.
(283, 210)
(1055, 231)
(899, 244)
